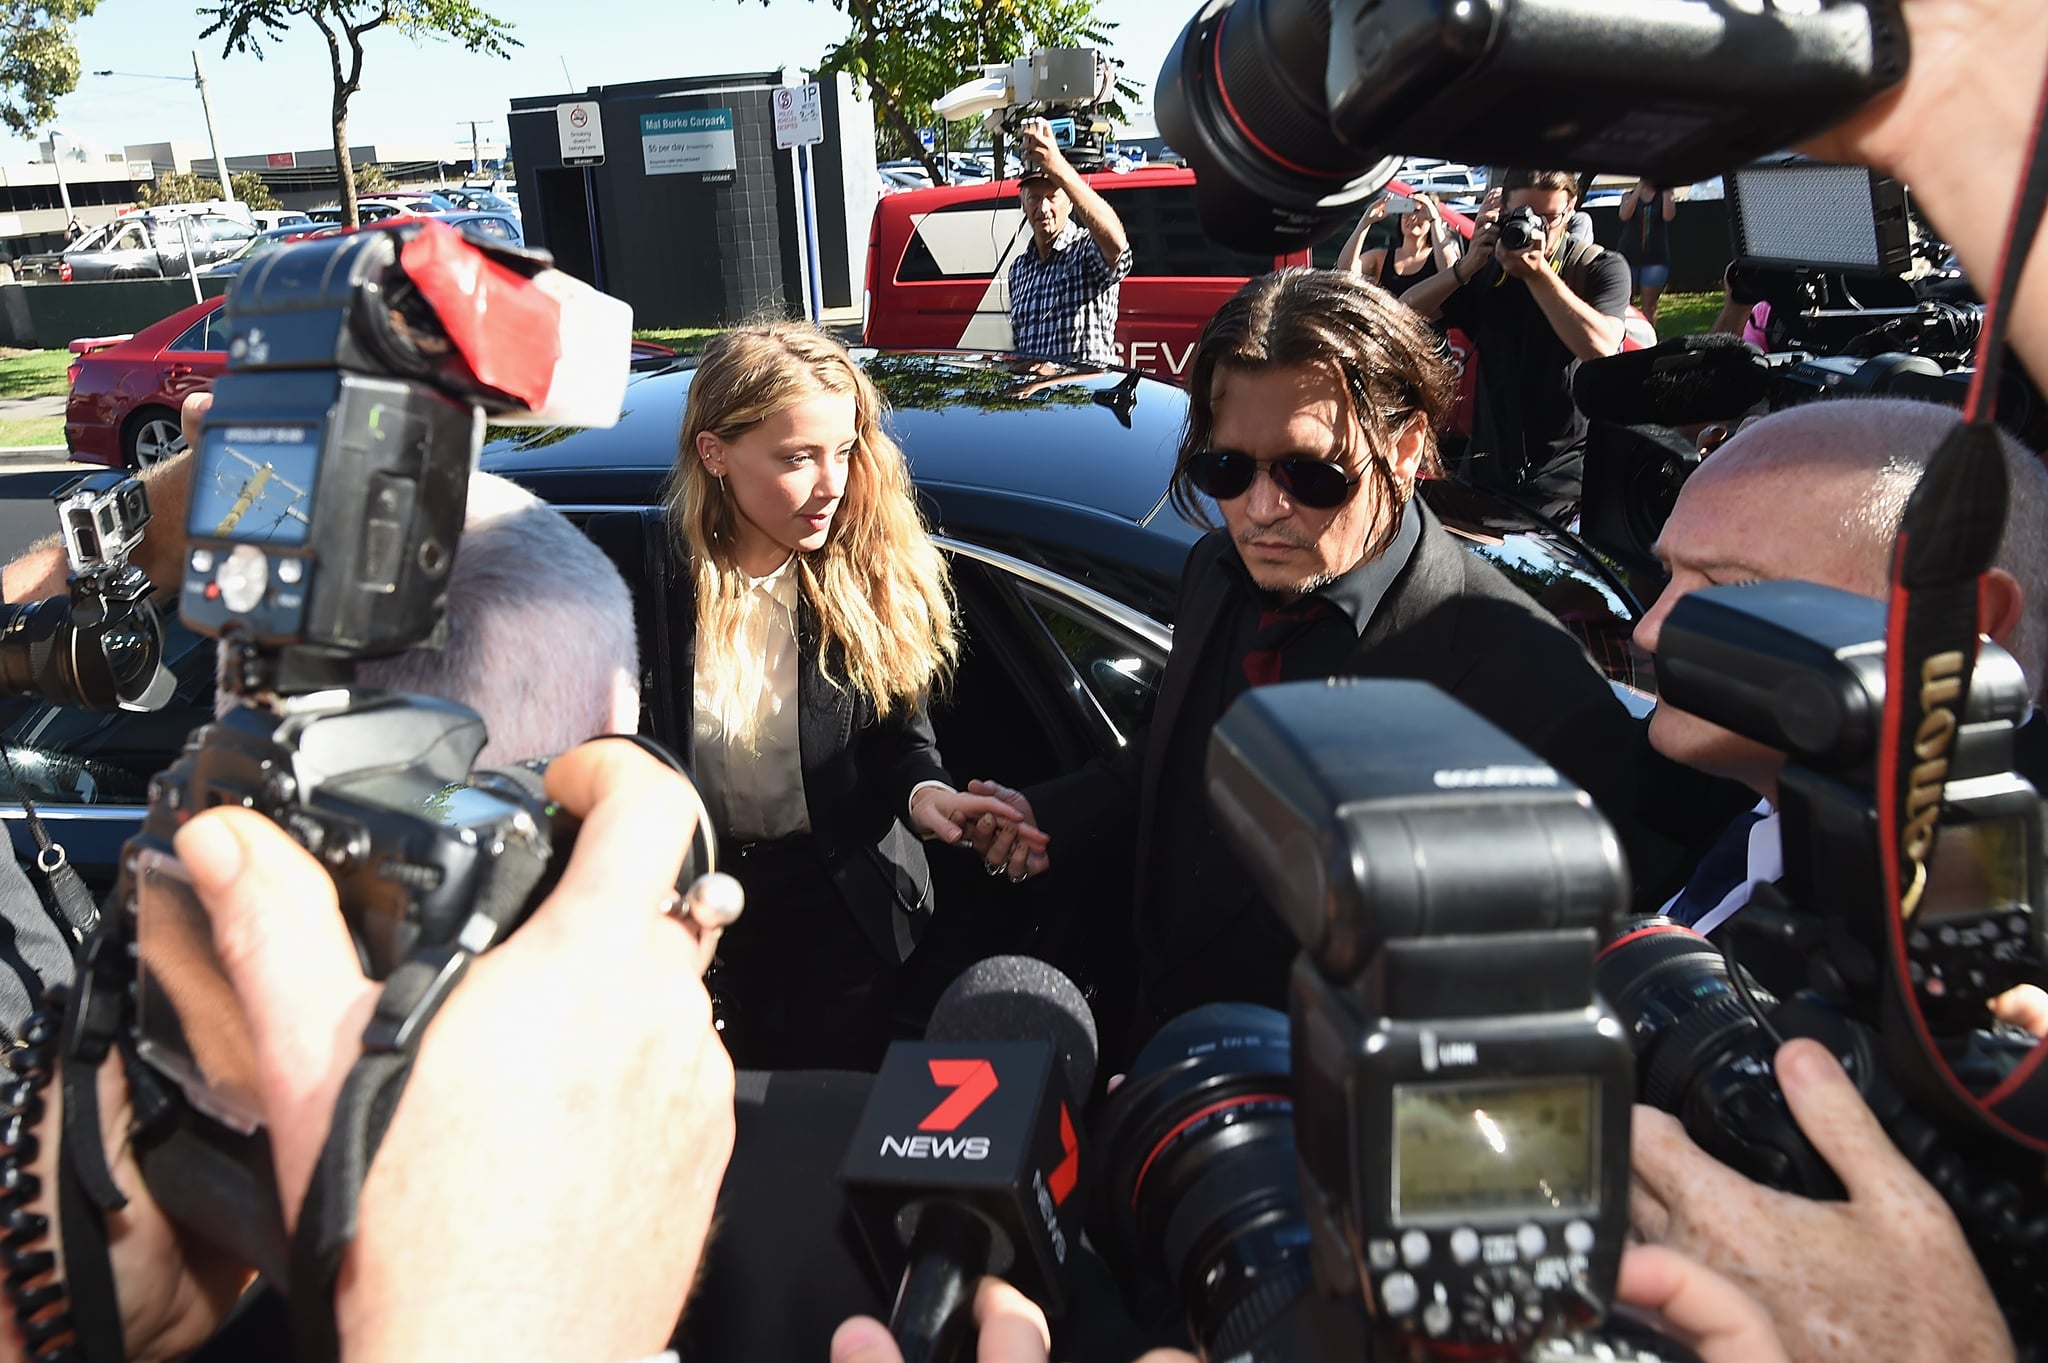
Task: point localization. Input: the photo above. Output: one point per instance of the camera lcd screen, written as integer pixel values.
(1485, 1151)
(254, 484)
(1976, 868)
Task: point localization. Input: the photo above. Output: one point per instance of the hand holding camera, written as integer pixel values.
(1521, 243)
(1830, 1304)
(1040, 152)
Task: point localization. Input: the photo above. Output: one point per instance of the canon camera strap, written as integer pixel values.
(1948, 539)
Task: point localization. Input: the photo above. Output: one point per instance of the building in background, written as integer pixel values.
(694, 217)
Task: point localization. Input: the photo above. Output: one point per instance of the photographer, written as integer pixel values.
(1816, 492)
(1424, 246)
(1533, 314)
(1064, 285)
(516, 1207)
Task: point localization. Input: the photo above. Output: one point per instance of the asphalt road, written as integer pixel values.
(25, 511)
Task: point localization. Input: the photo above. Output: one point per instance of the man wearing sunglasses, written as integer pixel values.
(1314, 402)
(1532, 315)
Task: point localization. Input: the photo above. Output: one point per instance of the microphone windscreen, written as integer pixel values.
(1681, 382)
(1020, 998)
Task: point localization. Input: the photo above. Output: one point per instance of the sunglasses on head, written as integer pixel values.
(1226, 474)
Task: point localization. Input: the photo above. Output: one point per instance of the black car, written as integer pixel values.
(1048, 491)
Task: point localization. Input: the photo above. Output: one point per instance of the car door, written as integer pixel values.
(216, 237)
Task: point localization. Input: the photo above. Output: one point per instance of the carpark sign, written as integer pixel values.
(581, 132)
(799, 116)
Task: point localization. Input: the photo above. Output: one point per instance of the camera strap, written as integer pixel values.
(1948, 539)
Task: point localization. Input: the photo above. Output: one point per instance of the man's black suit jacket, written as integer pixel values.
(858, 768)
(1450, 618)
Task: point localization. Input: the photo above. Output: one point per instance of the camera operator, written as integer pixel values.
(1314, 402)
(1815, 492)
(517, 1207)
(524, 573)
(1064, 286)
(1532, 314)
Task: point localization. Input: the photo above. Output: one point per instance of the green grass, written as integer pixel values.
(682, 340)
(35, 431)
(1686, 314)
(34, 374)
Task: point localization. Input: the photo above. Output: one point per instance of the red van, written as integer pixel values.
(939, 267)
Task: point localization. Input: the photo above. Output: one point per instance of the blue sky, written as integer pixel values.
(423, 93)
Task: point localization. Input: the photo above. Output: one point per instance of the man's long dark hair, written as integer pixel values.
(1391, 365)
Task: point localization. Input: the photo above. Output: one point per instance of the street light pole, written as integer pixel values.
(220, 163)
(57, 164)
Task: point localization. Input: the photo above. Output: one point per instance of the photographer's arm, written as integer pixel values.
(1352, 256)
(41, 571)
(1429, 297)
(1957, 130)
(1883, 1276)
(1035, 145)
(1587, 331)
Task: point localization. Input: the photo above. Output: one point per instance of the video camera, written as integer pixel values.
(1291, 111)
(1801, 669)
(1439, 1136)
(328, 496)
(101, 645)
(1063, 85)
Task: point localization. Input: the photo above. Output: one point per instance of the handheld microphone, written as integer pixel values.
(967, 1159)
(1681, 382)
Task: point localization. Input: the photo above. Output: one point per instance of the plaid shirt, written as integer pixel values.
(1065, 308)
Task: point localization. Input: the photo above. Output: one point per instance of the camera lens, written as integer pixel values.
(1704, 1057)
(1201, 1190)
(1241, 95)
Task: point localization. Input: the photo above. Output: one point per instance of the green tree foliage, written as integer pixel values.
(248, 24)
(374, 179)
(38, 59)
(908, 53)
(185, 187)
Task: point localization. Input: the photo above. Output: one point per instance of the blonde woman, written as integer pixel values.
(824, 620)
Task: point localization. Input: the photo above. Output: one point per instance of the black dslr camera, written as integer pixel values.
(328, 495)
(1801, 668)
(101, 646)
(1459, 1095)
(1520, 230)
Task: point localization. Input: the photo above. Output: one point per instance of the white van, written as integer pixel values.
(268, 218)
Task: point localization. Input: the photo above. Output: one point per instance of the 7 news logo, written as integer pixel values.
(972, 1083)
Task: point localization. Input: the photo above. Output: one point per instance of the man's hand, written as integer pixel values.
(1011, 1330)
(1528, 265)
(1012, 847)
(1885, 1275)
(1722, 1323)
(546, 1183)
(1037, 150)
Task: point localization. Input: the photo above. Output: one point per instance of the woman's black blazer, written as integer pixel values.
(858, 769)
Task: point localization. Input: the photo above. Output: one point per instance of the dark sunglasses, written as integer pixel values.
(1225, 474)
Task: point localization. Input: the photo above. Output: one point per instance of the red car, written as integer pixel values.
(126, 390)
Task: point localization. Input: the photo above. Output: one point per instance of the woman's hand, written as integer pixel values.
(977, 817)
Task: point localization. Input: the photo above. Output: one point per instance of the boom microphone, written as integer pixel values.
(967, 1160)
(1681, 382)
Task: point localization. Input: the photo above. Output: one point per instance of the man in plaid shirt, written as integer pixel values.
(1063, 289)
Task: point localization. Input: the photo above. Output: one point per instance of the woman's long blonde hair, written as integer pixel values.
(879, 586)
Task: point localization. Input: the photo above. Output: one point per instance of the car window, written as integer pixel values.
(208, 333)
(129, 238)
(1118, 671)
(226, 229)
(497, 227)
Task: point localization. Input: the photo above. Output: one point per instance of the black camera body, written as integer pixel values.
(1520, 230)
(1461, 1093)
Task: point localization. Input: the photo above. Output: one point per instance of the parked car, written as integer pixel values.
(263, 242)
(423, 201)
(267, 219)
(504, 227)
(140, 246)
(477, 200)
(126, 390)
(1047, 493)
(367, 211)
